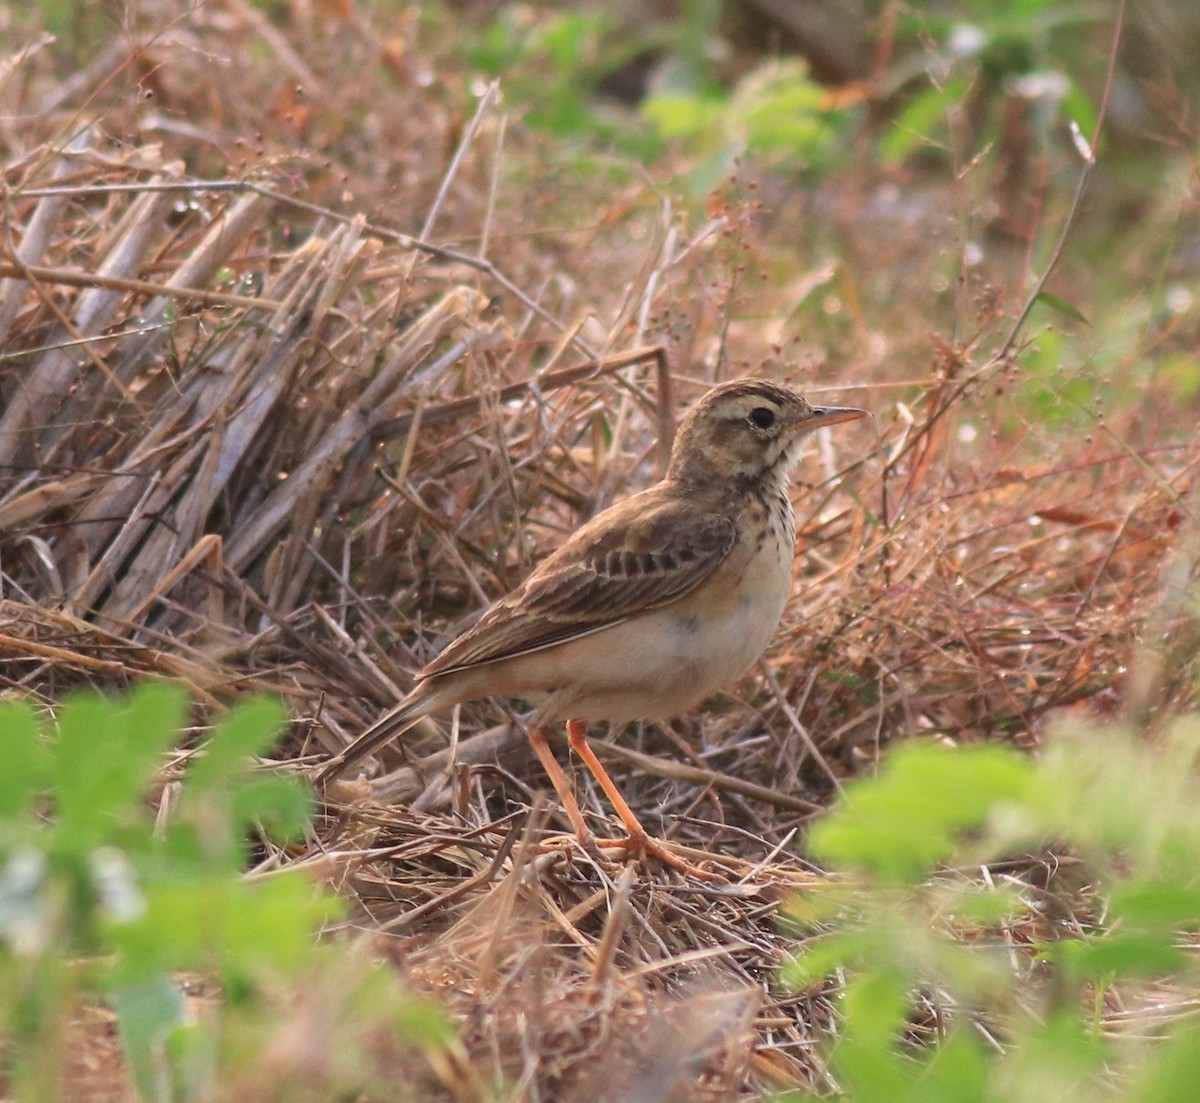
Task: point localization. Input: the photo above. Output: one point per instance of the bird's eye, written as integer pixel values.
(761, 417)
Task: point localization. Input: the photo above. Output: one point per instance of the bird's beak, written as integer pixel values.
(832, 415)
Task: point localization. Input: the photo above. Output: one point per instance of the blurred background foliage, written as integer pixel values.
(924, 153)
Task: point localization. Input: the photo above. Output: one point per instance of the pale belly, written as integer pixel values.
(662, 663)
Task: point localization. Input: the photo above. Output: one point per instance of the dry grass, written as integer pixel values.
(254, 442)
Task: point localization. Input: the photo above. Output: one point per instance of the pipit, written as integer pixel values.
(646, 610)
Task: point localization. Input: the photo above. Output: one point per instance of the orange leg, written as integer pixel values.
(577, 737)
(638, 841)
(541, 747)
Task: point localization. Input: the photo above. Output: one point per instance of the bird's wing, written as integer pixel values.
(640, 555)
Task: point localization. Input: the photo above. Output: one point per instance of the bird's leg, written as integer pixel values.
(541, 747)
(577, 737)
(638, 841)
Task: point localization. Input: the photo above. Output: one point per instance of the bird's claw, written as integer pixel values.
(637, 846)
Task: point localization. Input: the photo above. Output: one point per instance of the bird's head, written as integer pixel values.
(748, 429)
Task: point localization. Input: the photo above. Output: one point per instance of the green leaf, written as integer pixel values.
(225, 796)
(988, 906)
(873, 1074)
(923, 122)
(182, 921)
(778, 108)
(1180, 372)
(1154, 903)
(250, 729)
(147, 1014)
(911, 816)
(24, 758)
(1079, 108)
(274, 923)
(423, 1023)
(106, 753)
(819, 957)
(956, 1073)
(281, 805)
(874, 1007)
(1063, 1051)
(220, 923)
(567, 38)
(682, 116)
(1061, 305)
(1121, 954)
(1173, 1077)
(497, 46)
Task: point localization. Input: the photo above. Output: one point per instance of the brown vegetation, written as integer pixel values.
(285, 430)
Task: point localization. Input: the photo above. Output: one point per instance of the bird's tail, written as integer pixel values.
(393, 723)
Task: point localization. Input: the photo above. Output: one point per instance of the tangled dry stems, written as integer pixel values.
(297, 465)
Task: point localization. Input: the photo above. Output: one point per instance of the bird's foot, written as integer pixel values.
(640, 845)
(637, 845)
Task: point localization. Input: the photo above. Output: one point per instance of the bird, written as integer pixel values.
(647, 609)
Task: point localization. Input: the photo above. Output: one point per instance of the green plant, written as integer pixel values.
(971, 973)
(987, 57)
(551, 65)
(103, 899)
(776, 112)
